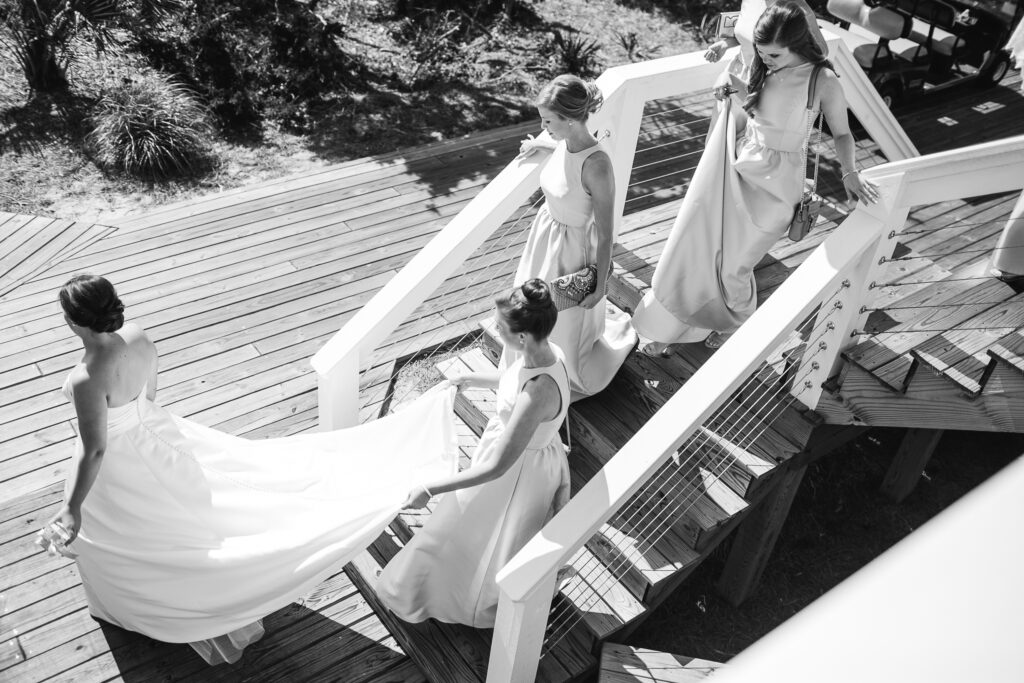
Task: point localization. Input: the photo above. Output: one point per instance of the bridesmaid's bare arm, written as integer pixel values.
(599, 182)
(536, 403)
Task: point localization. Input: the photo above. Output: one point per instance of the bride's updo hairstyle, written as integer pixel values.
(91, 301)
(570, 97)
(529, 309)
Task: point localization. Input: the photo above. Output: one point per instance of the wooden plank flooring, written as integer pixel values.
(239, 289)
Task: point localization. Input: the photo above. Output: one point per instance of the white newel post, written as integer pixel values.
(337, 393)
(621, 117)
(519, 635)
(881, 224)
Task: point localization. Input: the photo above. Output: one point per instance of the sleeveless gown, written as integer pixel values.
(739, 203)
(448, 570)
(562, 240)
(192, 535)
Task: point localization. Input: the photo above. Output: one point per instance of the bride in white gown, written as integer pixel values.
(187, 534)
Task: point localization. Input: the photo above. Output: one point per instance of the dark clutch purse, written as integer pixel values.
(805, 215)
(569, 290)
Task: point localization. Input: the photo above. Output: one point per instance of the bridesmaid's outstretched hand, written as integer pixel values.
(531, 144)
(860, 188)
(416, 499)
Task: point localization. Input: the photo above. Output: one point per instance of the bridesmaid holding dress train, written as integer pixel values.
(519, 477)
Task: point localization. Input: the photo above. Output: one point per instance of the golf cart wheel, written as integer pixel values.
(994, 70)
(891, 94)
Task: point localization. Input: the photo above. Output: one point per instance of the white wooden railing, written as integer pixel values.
(527, 583)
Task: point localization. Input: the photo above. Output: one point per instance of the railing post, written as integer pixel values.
(337, 393)
(622, 118)
(844, 310)
(519, 635)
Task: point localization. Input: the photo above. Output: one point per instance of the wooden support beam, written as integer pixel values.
(756, 538)
(910, 460)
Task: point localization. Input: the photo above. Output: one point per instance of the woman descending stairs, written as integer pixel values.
(646, 549)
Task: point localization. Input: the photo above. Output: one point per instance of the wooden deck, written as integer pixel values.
(239, 289)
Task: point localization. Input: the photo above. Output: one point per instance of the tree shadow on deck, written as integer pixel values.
(348, 645)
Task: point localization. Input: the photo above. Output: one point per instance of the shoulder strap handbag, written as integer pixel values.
(805, 214)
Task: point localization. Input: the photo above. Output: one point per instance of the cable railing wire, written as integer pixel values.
(754, 407)
(436, 339)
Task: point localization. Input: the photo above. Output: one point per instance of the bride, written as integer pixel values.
(187, 534)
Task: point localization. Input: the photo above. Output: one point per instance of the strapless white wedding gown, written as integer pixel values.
(192, 535)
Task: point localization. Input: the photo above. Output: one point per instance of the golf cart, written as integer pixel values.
(923, 46)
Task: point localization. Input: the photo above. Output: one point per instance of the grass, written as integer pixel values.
(48, 170)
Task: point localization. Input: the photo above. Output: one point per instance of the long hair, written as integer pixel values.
(783, 24)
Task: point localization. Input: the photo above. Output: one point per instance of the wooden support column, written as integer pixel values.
(756, 538)
(906, 468)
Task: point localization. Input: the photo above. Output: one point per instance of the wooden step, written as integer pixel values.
(658, 534)
(454, 652)
(625, 664)
(887, 357)
(954, 354)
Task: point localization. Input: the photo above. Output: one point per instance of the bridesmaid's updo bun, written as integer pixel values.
(570, 97)
(529, 309)
(91, 301)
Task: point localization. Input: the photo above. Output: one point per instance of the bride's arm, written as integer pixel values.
(535, 404)
(91, 408)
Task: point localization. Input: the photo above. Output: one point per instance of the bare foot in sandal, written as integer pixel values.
(656, 350)
(716, 339)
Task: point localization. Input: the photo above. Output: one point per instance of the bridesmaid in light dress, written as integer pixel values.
(746, 185)
(576, 227)
(518, 479)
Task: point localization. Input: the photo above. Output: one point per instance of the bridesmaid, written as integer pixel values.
(743, 193)
(518, 478)
(576, 227)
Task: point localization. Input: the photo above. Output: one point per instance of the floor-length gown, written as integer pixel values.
(447, 571)
(739, 203)
(563, 240)
(189, 534)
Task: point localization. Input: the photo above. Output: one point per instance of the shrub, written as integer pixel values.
(574, 54)
(254, 59)
(41, 35)
(437, 53)
(151, 127)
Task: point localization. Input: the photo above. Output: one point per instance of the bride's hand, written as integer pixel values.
(417, 498)
(67, 523)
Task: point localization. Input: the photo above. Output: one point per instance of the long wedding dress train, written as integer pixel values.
(189, 534)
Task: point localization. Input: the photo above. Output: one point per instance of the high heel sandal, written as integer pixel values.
(716, 339)
(656, 350)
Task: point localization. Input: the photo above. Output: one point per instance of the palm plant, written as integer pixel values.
(41, 33)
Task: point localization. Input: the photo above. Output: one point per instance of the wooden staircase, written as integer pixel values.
(624, 664)
(956, 363)
(623, 572)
